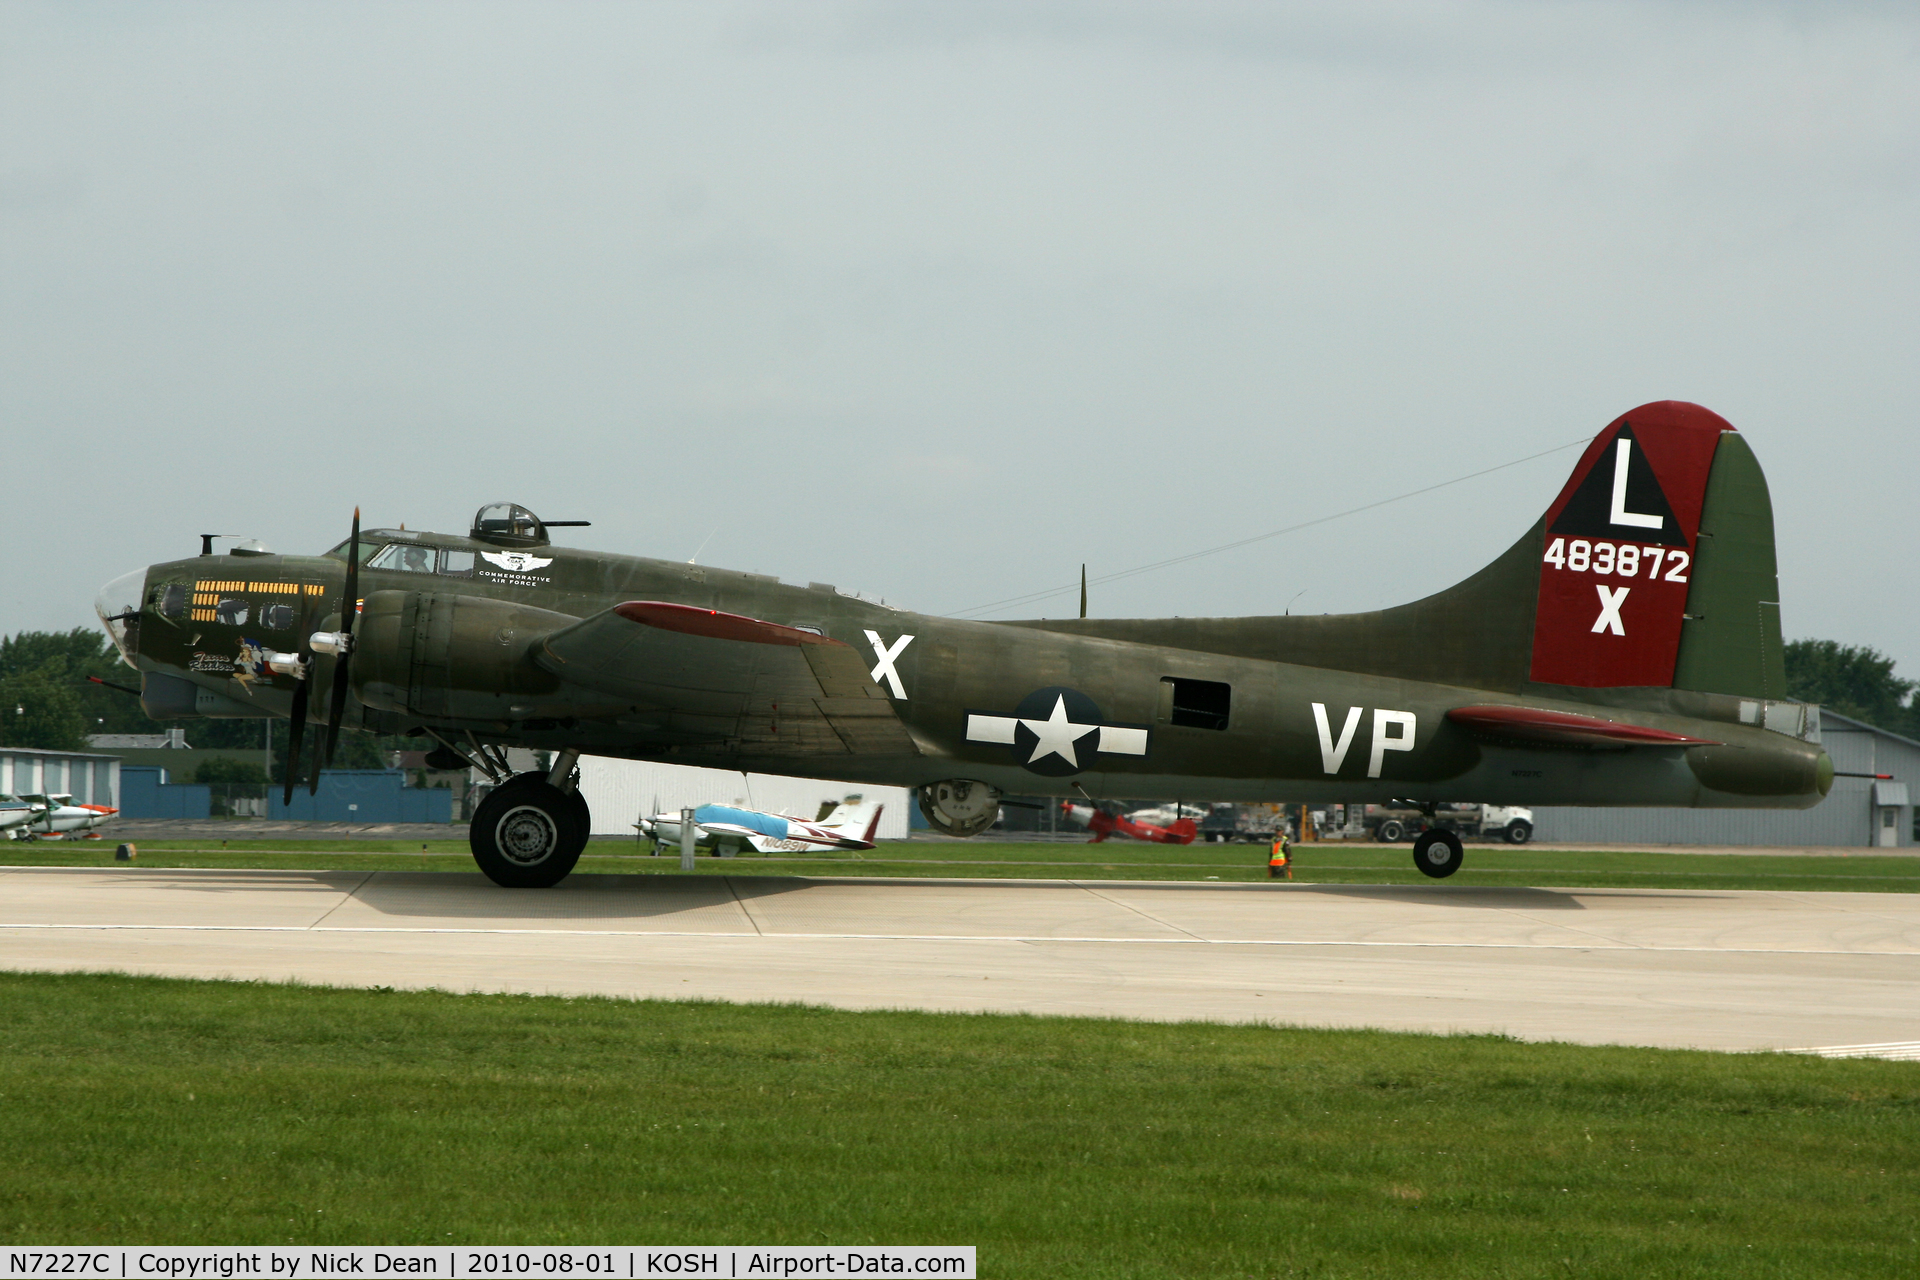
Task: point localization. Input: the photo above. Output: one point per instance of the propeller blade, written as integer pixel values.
(349, 614)
(296, 730)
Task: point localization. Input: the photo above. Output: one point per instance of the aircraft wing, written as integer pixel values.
(700, 675)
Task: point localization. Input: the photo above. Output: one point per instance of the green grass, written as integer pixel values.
(1114, 860)
(141, 1110)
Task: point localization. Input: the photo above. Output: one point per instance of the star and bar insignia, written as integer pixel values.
(1056, 731)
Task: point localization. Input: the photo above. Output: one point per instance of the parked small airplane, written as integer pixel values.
(1163, 814)
(1104, 824)
(1626, 650)
(16, 812)
(850, 824)
(59, 816)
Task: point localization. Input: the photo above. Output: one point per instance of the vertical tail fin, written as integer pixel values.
(1633, 547)
(1657, 562)
(1653, 568)
(853, 816)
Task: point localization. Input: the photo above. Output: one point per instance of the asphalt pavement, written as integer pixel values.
(1683, 968)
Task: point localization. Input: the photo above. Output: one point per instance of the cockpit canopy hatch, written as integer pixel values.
(509, 524)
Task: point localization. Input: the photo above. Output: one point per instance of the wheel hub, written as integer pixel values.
(527, 835)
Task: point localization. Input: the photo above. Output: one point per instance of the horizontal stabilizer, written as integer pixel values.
(1533, 724)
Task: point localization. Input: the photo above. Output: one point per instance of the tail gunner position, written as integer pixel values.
(1625, 651)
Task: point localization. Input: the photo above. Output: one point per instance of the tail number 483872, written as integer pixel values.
(1625, 559)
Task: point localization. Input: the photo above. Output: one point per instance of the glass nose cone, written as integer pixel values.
(118, 605)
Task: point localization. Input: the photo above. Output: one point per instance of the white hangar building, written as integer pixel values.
(89, 777)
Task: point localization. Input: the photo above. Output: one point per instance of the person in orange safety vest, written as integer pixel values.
(1280, 861)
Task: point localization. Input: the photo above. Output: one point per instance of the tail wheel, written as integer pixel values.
(1438, 854)
(1519, 832)
(528, 834)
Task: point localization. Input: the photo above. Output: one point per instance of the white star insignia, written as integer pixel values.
(1057, 735)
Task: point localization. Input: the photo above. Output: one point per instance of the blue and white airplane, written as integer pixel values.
(851, 824)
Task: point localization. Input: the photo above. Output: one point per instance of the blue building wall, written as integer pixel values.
(145, 793)
(346, 795)
(364, 795)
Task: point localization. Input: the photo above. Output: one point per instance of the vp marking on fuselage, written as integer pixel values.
(1333, 753)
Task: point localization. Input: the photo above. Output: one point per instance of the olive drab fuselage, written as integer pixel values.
(454, 635)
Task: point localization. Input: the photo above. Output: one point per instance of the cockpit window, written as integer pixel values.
(407, 557)
(366, 549)
(411, 557)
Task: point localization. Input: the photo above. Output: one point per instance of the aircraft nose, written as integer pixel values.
(118, 605)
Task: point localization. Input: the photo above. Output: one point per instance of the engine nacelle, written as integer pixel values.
(441, 655)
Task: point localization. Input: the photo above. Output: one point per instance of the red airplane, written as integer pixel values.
(1103, 824)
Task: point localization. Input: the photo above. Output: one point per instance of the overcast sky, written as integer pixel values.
(939, 301)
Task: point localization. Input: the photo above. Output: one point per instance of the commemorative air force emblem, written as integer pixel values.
(1057, 731)
(516, 561)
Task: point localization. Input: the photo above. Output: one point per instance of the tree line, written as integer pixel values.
(46, 701)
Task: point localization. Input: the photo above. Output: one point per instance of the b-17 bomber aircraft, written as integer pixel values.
(1625, 651)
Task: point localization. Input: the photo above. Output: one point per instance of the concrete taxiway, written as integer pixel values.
(1707, 969)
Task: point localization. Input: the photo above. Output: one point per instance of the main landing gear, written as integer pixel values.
(960, 807)
(1438, 853)
(529, 831)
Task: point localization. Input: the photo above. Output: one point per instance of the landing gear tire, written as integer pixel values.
(1519, 832)
(582, 816)
(527, 834)
(960, 807)
(1438, 854)
(1391, 832)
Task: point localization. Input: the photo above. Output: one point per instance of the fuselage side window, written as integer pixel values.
(456, 562)
(1198, 704)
